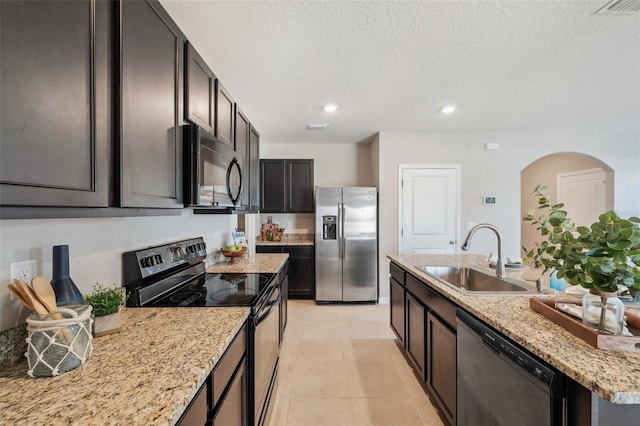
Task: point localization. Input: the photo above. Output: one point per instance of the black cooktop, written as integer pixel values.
(218, 290)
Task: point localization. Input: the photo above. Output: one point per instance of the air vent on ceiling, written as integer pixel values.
(317, 126)
(620, 7)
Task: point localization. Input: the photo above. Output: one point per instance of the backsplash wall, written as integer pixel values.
(95, 247)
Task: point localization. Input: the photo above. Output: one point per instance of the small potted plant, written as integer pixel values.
(599, 257)
(106, 303)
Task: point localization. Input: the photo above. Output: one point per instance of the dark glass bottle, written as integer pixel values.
(66, 291)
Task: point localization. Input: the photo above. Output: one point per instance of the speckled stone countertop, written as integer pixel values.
(615, 376)
(145, 375)
(289, 240)
(252, 263)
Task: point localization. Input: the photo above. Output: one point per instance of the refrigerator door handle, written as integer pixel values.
(343, 241)
(340, 224)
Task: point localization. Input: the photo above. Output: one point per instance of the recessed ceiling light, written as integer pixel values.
(330, 108)
(317, 126)
(448, 109)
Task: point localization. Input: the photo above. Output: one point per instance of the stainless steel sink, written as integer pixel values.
(473, 281)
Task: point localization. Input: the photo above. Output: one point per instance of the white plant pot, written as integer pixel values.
(105, 325)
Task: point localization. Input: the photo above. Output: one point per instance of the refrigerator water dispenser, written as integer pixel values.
(328, 227)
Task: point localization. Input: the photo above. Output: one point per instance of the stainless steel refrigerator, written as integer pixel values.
(346, 244)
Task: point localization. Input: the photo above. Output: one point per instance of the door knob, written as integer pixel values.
(452, 242)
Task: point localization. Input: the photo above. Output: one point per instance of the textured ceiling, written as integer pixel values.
(549, 65)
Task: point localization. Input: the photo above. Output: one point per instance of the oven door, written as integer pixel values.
(266, 352)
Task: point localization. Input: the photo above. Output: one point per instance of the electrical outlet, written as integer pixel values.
(24, 270)
(289, 225)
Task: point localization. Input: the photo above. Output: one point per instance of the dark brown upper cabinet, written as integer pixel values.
(151, 115)
(55, 117)
(254, 170)
(286, 186)
(242, 126)
(225, 113)
(199, 90)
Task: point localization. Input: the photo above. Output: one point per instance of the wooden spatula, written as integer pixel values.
(28, 295)
(13, 289)
(44, 293)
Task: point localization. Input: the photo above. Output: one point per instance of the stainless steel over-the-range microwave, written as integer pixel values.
(213, 173)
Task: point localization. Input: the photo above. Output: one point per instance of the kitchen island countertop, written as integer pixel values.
(614, 376)
(145, 375)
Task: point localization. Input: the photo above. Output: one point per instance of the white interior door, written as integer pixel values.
(429, 209)
(583, 193)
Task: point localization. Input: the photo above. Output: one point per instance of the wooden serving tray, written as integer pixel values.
(546, 307)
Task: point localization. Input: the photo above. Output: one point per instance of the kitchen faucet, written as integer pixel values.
(500, 271)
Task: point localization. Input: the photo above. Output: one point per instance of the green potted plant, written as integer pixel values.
(106, 303)
(599, 257)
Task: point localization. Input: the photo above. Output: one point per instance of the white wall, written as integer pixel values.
(496, 173)
(95, 247)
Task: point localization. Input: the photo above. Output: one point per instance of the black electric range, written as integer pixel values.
(218, 290)
(172, 275)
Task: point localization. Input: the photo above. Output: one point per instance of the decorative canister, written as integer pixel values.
(58, 341)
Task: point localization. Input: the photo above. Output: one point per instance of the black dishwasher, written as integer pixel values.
(500, 383)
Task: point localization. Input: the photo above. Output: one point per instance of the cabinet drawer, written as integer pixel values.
(396, 273)
(268, 249)
(436, 303)
(227, 365)
(299, 251)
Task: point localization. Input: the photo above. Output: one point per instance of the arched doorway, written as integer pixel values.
(587, 194)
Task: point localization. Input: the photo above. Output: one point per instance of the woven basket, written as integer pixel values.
(59, 341)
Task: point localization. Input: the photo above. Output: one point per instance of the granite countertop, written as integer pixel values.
(289, 240)
(615, 376)
(252, 263)
(145, 375)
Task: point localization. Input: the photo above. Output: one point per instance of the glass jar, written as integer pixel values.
(603, 311)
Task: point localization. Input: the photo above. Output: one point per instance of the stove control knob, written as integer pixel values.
(152, 260)
(158, 259)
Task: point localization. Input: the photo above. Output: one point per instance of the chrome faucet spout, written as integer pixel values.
(500, 269)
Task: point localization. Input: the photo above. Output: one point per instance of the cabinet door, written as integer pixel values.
(254, 170)
(199, 90)
(242, 152)
(224, 115)
(397, 299)
(299, 186)
(302, 276)
(151, 116)
(441, 356)
(232, 409)
(55, 106)
(197, 413)
(416, 335)
(272, 186)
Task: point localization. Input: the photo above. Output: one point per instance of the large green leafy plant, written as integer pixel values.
(601, 256)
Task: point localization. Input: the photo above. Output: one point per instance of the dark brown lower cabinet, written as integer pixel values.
(397, 302)
(425, 324)
(441, 365)
(416, 335)
(197, 413)
(302, 269)
(232, 408)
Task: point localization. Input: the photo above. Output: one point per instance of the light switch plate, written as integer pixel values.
(24, 270)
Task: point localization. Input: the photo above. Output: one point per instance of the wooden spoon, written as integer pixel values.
(44, 293)
(28, 295)
(13, 289)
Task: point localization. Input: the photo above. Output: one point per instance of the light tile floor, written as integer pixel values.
(339, 365)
